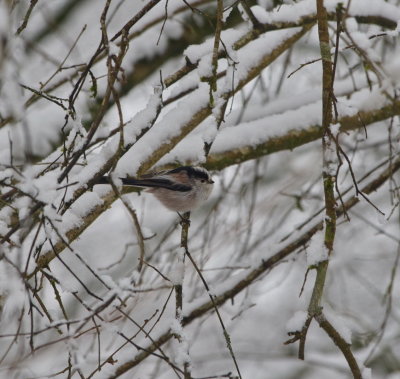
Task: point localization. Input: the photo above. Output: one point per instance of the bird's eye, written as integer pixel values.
(202, 180)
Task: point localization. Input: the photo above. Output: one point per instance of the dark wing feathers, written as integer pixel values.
(154, 182)
(103, 180)
(157, 183)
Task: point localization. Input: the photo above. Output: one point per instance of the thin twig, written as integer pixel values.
(27, 16)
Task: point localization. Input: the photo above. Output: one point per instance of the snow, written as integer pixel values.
(162, 132)
(268, 127)
(177, 273)
(367, 373)
(12, 290)
(335, 129)
(239, 239)
(297, 322)
(295, 11)
(340, 326)
(346, 108)
(85, 203)
(256, 50)
(204, 67)
(317, 251)
(272, 126)
(330, 159)
(181, 348)
(195, 52)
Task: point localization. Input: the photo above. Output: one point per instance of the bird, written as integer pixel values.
(182, 189)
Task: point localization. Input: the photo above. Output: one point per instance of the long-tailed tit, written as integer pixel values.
(181, 189)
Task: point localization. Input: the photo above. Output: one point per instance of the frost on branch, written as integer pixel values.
(123, 88)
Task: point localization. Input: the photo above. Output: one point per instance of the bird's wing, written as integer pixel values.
(156, 183)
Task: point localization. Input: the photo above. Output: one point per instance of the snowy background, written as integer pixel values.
(92, 87)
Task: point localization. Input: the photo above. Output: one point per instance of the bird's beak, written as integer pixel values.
(211, 181)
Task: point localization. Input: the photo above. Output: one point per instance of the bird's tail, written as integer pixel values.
(127, 182)
(148, 183)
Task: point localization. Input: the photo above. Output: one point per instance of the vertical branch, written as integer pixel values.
(219, 115)
(214, 61)
(329, 173)
(212, 298)
(185, 223)
(329, 154)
